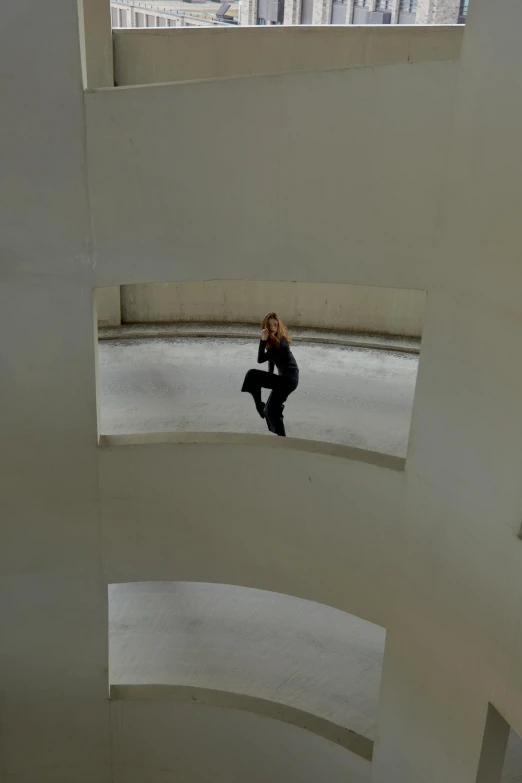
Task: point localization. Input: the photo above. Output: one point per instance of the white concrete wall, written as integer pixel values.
(228, 533)
(231, 207)
(370, 182)
(431, 554)
(154, 56)
(356, 308)
(464, 492)
(108, 305)
(162, 742)
(54, 713)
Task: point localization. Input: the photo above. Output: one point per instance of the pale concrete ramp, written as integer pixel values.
(349, 396)
(300, 662)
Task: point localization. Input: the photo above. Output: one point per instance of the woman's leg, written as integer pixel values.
(274, 413)
(276, 403)
(255, 380)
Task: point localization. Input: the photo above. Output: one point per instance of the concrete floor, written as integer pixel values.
(351, 396)
(251, 642)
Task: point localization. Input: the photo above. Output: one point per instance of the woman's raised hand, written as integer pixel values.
(264, 335)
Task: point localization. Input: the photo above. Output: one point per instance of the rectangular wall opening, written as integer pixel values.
(173, 358)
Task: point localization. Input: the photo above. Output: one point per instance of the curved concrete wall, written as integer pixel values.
(168, 742)
(419, 552)
(254, 515)
(165, 741)
(354, 308)
(268, 708)
(376, 177)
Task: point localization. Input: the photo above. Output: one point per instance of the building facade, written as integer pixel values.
(133, 13)
(137, 14)
(357, 12)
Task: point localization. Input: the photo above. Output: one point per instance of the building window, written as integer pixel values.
(362, 3)
(463, 11)
(339, 11)
(383, 5)
(407, 6)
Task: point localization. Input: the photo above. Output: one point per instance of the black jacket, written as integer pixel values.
(281, 357)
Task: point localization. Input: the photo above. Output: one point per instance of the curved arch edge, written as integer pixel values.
(266, 441)
(209, 697)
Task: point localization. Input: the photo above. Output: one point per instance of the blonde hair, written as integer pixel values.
(274, 341)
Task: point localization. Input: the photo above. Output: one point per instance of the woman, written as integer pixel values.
(274, 348)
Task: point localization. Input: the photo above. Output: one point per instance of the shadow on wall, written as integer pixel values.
(501, 755)
(389, 311)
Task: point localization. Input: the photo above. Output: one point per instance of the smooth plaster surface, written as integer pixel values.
(108, 306)
(165, 742)
(54, 712)
(329, 202)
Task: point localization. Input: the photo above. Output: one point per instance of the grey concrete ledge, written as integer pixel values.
(260, 441)
(346, 738)
(150, 57)
(409, 345)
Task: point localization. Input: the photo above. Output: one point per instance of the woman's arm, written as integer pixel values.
(262, 353)
(264, 356)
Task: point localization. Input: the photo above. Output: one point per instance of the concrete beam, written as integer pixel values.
(94, 18)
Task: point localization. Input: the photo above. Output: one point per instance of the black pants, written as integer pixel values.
(281, 385)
